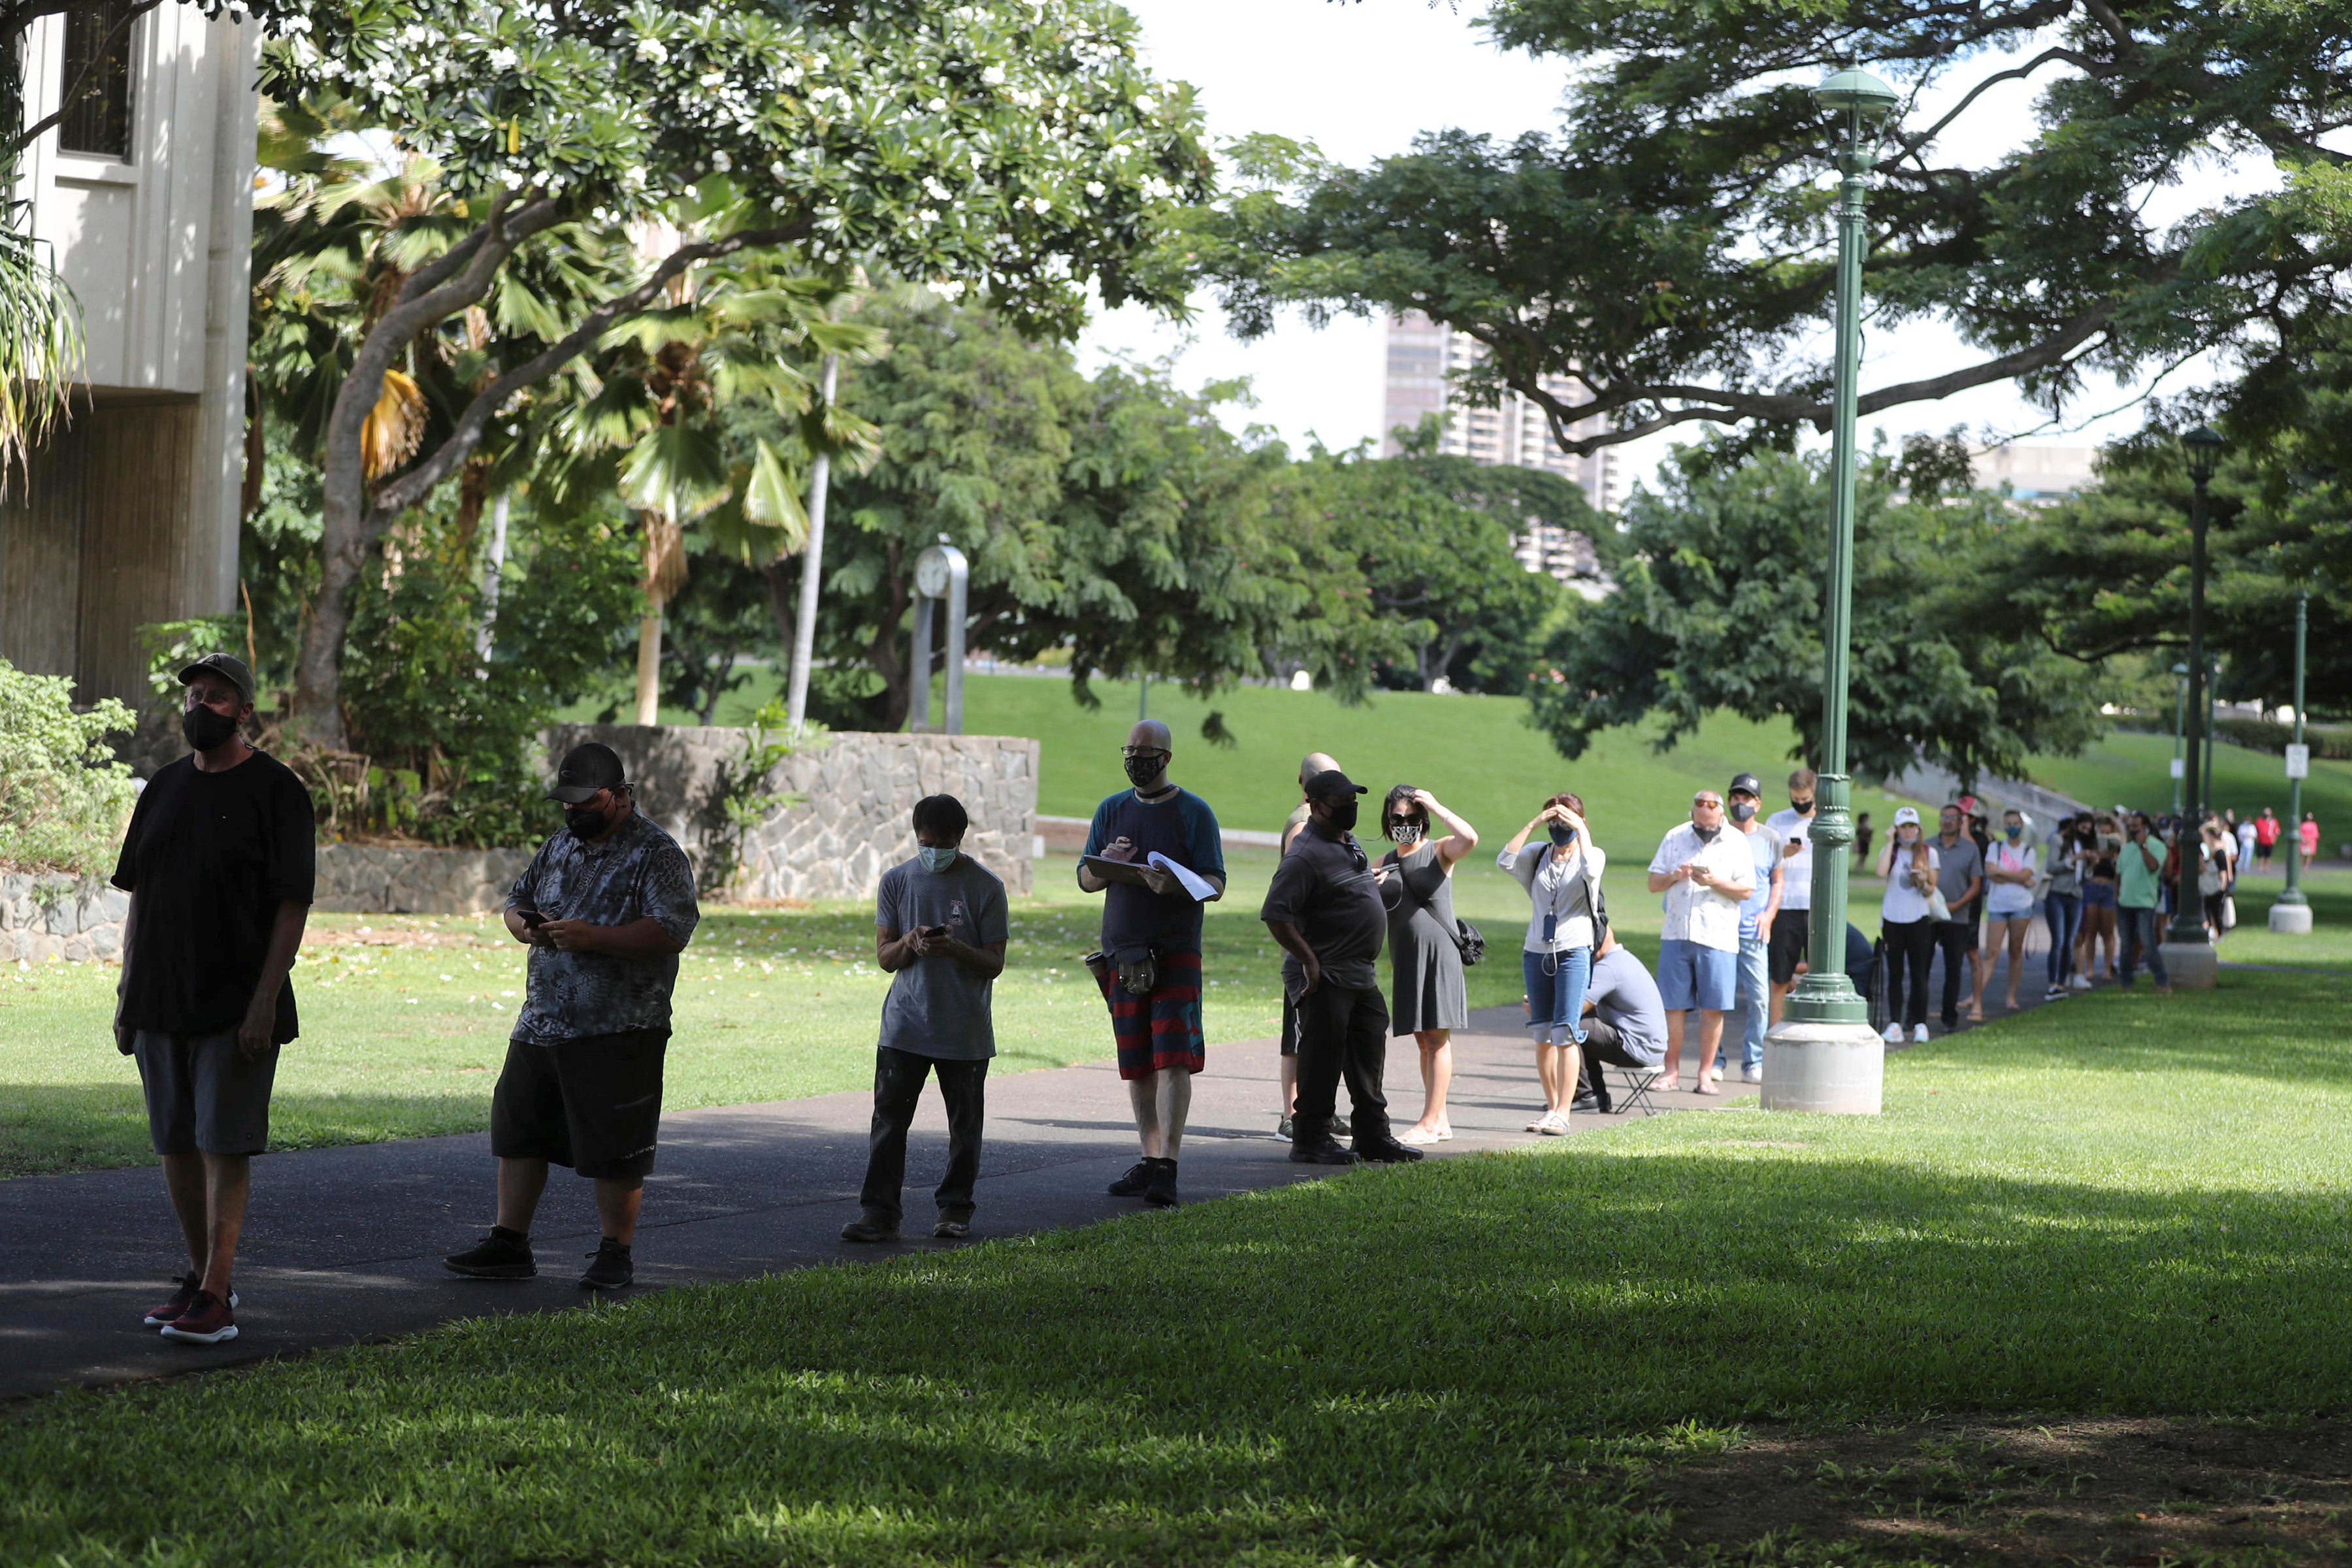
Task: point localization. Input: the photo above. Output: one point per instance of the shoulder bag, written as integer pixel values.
(1467, 942)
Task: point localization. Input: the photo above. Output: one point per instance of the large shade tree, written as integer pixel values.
(1018, 148)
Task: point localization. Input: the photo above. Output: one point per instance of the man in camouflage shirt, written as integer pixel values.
(605, 906)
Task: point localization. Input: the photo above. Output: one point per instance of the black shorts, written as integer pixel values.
(1792, 932)
(1289, 1024)
(592, 1103)
(204, 1094)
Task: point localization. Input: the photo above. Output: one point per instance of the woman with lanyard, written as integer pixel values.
(1562, 877)
(2012, 868)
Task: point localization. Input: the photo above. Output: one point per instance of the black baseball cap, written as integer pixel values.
(586, 769)
(1747, 784)
(228, 667)
(1331, 785)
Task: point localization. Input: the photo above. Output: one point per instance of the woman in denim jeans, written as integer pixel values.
(2061, 904)
(1562, 877)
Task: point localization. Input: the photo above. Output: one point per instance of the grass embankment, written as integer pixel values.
(2120, 1205)
(404, 1020)
(2132, 769)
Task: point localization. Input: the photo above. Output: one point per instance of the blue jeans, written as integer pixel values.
(2143, 936)
(1556, 986)
(1754, 999)
(2063, 913)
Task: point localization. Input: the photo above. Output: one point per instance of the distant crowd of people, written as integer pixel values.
(219, 862)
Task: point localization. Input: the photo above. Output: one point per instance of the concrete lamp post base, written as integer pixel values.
(2291, 920)
(2193, 964)
(1837, 1069)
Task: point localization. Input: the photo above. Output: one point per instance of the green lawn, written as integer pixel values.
(2132, 769)
(405, 1019)
(2117, 1206)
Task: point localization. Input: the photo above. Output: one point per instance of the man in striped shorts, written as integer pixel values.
(1150, 966)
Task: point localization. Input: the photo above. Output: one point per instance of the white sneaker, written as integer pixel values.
(1919, 1034)
(1894, 1035)
(2078, 982)
(1751, 1075)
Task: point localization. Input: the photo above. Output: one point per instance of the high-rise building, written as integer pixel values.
(1425, 357)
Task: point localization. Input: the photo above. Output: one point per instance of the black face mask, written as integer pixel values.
(1742, 810)
(1562, 834)
(1343, 816)
(1145, 769)
(1801, 808)
(205, 729)
(1706, 835)
(584, 821)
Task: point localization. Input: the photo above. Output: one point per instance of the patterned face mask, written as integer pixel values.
(1406, 832)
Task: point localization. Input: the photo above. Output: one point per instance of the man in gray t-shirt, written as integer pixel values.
(940, 929)
(1959, 877)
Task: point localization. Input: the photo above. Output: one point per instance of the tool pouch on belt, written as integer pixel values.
(1133, 967)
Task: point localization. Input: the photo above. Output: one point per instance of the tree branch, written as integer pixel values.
(41, 127)
(407, 489)
(1912, 144)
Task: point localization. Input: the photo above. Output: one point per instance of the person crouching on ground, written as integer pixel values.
(1150, 966)
(606, 906)
(218, 861)
(939, 932)
(1330, 911)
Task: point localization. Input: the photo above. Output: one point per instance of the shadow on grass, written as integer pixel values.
(47, 1128)
(1412, 1365)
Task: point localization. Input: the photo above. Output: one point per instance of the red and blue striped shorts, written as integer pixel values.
(1161, 1029)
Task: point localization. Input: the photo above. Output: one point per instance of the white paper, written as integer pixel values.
(1201, 890)
(2298, 762)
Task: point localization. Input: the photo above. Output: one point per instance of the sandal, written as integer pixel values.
(1705, 1085)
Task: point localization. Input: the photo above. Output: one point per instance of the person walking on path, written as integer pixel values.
(2099, 849)
(2266, 838)
(2306, 839)
(2011, 868)
(1292, 826)
(1907, 925)
(1561, 875)
(1862, 834)
(2216, 875)
(2244, 835)
(1959, 877)
(1792, 933)
(218, 860)
(1431, 997)
(939, 930)
(1329, 910)
(1753, 995)
(1706, 874)
(2139, 869)
(2061, 906)
(606, 906)
(1150, 966)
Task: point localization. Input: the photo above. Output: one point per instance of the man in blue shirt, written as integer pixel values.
(1150, 966)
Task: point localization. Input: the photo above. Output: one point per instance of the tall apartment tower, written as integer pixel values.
(1424, 356)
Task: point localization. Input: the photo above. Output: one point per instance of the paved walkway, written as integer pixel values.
(343, 1244)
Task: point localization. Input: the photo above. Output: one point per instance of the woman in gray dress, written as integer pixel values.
(1430, 1000)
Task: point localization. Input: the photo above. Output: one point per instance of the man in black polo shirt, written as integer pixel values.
(1328, 908)
(605, 906)
(218, 863)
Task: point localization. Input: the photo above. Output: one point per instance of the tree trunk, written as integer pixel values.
(780, 603)
(887, 653)
(649, 666)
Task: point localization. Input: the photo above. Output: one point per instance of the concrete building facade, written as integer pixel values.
(1425, 358)
(144, 195)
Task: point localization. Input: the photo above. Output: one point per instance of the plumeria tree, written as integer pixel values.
(1016, 149)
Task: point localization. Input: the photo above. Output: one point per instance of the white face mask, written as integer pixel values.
(935, 859)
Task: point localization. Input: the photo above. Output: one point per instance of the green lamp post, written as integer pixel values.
(2291, 915)
(2189, 955)
(2179, 729)
(1824, 1055)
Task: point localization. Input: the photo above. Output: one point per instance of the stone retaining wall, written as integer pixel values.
(52, 915)
(393, 879)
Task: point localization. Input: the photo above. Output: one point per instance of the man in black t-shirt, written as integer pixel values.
(1328, 908)
(218, 862)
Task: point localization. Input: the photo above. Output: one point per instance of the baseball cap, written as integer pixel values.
(1332, 784)
(1904, 813)
(586, 769)
(1747, 784)
(228, 667)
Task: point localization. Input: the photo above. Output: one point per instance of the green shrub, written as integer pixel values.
(63, 797)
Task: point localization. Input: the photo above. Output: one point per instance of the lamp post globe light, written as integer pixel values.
(2291, 915)
(1824, 1055)
(2189, 955)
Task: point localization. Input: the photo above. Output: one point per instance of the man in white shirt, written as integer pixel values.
(1791, 928)
(1705, 873)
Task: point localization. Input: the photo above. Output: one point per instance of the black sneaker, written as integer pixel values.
(1136, 1182)
(1282, 1129)
(1385, 1152)
(1162, 1192)
(503, 1255)
(609, 1268)
(868, 1231)
(1328, 1153)
(1339, 1128)
(1586, 1105)
(952, 1230)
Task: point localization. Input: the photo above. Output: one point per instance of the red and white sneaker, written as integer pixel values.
(182, 1299)
(207, 1321)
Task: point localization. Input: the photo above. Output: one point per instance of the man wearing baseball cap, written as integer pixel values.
(1328, 910)
(218, 861)
(1752, 994)
(606, 906)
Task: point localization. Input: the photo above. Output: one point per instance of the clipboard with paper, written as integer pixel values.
(1132, 873)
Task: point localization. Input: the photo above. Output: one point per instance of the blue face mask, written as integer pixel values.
(1562, 834)
(936, 860)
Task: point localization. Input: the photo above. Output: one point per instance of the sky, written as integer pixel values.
(1360, 81)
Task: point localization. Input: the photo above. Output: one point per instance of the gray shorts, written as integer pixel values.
(201, 1093)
